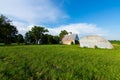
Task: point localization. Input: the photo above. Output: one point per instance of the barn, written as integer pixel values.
(95, 41)
(70, 39)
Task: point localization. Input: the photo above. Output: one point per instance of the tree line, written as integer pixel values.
(37, 35)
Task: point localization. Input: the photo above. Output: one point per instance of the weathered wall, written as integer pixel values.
(68, 42)
(95, 41)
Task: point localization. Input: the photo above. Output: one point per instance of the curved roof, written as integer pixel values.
(95, 41)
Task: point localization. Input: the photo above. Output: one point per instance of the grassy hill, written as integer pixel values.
(58, 62)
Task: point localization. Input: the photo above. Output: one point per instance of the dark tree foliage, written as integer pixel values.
(50, 39)
(62, 33)
(19, 38)
(56, 39)
(29, 38)
(7, 30)
(47, 39)
(36, 34)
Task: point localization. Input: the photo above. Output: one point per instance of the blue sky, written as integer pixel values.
(84, 17)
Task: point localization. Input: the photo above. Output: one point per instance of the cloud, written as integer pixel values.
(22, 27)
(30, 11)
(81, 29)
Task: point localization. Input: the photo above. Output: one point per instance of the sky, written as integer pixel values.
(82, 17)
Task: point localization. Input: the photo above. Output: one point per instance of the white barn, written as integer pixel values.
(70, 39)
(95, 41)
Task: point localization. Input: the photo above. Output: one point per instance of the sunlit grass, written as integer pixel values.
(58, 62)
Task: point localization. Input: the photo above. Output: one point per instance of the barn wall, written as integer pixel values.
(68, 42)
(92, 42)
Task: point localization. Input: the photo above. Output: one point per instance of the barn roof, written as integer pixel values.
(93, 37)
(70, 37)
(93, 40)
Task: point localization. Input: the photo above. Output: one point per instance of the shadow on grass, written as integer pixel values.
(13, 44)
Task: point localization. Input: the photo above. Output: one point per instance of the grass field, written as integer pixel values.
(58, 62)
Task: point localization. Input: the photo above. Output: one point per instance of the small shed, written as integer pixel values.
(95, 41)
(70, 39)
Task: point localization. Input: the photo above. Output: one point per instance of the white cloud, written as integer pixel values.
(79, 28)
(22, 27)
(27, 12)
(30, 11)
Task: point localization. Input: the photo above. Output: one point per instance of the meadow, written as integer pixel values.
(58, 62)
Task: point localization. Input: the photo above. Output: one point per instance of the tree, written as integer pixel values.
(19, 38)
(62, 33)
(56, 39)
(50, 39)
(29, 38)
(37, 33)
(7, 30)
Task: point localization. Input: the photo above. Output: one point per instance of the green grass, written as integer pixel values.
(58, 62)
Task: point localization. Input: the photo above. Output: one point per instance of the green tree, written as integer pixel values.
(56, 39)
(29, 38)
(37, 33)
(50, 39)
(62, 33)
(19, 39)
(7, 30)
